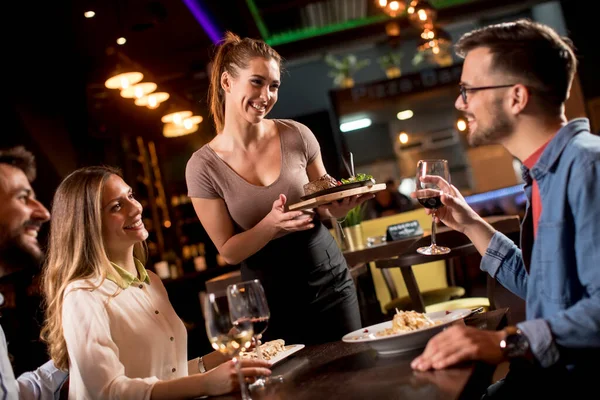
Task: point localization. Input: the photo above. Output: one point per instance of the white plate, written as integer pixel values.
(289, 350)
(404, 341)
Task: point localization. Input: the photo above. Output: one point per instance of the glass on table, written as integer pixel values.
(248, 302)
(227, 336)
(429, 195)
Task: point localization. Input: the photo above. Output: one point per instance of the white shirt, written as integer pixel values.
(120, 346)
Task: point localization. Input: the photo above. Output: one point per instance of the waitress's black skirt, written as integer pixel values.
(311, 294)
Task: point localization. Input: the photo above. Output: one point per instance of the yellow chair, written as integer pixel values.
(431, 277)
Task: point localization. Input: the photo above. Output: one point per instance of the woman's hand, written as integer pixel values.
(456, 214)
(223, 379)
(291, 221)
(339, 209)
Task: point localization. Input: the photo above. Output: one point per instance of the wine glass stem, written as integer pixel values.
(433, 244)
(258, 350)
(243, 387)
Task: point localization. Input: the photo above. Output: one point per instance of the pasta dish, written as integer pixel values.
(407, 321)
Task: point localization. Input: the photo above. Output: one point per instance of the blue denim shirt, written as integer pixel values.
(42, 384)
(558, 273)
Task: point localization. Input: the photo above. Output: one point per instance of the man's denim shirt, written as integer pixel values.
(562, 288)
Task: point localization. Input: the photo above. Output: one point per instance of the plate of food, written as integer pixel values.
(407, 331)
(274, 351)
(327, 189)
(328, 184)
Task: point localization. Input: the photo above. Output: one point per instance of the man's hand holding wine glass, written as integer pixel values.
(457, 214)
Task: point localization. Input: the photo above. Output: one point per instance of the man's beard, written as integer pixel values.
(500, 127)
(16, 255)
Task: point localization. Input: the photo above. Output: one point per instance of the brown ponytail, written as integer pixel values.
(232, 54)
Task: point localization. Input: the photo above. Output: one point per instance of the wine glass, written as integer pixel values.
(227, 336)
(253, 306)
(429, 195)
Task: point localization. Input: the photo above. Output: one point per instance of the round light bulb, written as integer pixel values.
(403, 138)
(121, 41)
(89, 14)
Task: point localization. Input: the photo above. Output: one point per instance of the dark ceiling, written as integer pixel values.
(59, 52)
(167, 42)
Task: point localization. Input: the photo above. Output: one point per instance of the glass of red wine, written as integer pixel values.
(251, 295)
(429, 195)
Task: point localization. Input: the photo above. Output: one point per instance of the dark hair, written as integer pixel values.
(233, 53)
(20, 158)
(530, 51)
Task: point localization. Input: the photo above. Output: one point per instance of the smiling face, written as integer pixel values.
(253, 92)
(21, 217)
(485, 110)
(122, 225)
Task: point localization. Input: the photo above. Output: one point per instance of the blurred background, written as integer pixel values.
(373, 77)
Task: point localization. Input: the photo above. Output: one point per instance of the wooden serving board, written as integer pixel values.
(328, 198)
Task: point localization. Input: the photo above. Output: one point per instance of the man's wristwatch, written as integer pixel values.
(515, 344)
(201, 366)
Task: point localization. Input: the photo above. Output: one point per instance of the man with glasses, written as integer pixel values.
(516, 78)
(21, 217)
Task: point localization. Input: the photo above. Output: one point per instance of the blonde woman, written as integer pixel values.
(108, 319)
(241, 183)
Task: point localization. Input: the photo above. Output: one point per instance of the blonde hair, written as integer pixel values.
(233, 53)
(76, 249)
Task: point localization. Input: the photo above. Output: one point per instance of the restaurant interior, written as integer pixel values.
(365, 78)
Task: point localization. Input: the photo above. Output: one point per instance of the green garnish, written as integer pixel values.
(357, 178)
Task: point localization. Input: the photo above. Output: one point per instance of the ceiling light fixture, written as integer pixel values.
(121, 41)
(404, 115)
(123, 80)
(176, 118)
(152, 100)
(138, 91)
(392, 8)
(172, 130)
(191, 121)
(421, 13)
(432, 39)
(403, 137)
(354, 125)
(89, 14)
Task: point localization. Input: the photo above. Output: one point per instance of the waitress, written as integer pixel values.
(240, 183)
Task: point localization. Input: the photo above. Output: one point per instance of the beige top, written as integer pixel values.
(120, 346)
(209, 177)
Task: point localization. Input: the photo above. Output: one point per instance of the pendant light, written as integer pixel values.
(123, 80)
(171, 130)
(138, 91)
(176, 117)
(152, 100)
(421, 13)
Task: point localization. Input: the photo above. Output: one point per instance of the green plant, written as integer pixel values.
(344, 68)
(355, 215)
(390, 60)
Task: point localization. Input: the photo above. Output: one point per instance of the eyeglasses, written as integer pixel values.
(463, 89)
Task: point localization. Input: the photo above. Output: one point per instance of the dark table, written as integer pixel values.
(349, 371)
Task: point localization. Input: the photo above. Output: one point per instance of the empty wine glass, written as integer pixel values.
(253, 306)
(429, 195)
(227, 336)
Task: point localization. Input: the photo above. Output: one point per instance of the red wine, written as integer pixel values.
(433, 202)
(260, 324)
